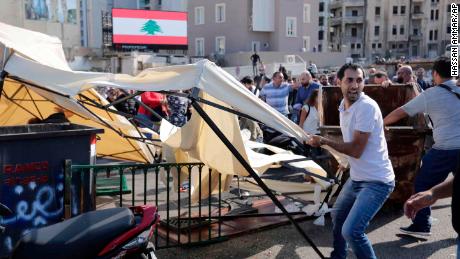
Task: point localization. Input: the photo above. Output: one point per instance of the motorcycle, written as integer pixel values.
(109, 233)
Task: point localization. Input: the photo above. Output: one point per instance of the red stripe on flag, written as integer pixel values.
(146, 14)
(141, 39)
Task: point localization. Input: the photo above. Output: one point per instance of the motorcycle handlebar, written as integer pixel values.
(4, 210)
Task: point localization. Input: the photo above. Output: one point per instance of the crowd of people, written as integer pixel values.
(371, 173)
(149, 108)
(372, 179)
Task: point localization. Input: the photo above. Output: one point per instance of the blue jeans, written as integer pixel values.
(357, 204)
(458, 247)
(436, 166)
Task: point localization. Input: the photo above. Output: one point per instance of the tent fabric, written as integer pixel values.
(204, 75)
(46, 50)
(41, 62)
(20, 103)
(196, 141)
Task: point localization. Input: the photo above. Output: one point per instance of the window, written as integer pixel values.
(358, 45)
(354, 32)
(321, 7)
(436, 17)
(354, 13)
(199, 47)
(393, 46)
(395, 30)
(401, 46)
(320, 48)
(417, 9)
(395, 9)
(401, 30)
(199, 15)
(379, 45)
(376, 30)
(373, 45)
(306, 13)
(255, 46)
(144, 4)
(352, 46)
(435, 34)
(321, 21)
(220, 45)
(431, 35)
(377, 10)
(306, 43)
(320, 35)
(403, 9)
(415, 31)
(291, 27)
(432, 15)
(220, 13)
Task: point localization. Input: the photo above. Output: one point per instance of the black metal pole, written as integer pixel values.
(3, 75)
(248, 167)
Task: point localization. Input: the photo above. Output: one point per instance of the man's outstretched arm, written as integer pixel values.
(355, 148)
(424, 199)
(395, 116)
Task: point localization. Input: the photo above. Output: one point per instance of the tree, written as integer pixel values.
(151, 27)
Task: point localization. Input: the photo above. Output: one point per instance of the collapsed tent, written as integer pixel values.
(212, 136)
(20, 103)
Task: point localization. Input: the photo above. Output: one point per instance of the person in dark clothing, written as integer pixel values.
(255, 59)
(58, 117)
(420, 79)
(450, 187)
(128, 106)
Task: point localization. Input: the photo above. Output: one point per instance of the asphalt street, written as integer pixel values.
(286, 242)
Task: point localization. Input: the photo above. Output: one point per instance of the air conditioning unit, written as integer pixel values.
(289, 59)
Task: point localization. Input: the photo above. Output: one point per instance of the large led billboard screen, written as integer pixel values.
(144, 27)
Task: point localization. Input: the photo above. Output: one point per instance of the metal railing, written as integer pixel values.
(183, 222)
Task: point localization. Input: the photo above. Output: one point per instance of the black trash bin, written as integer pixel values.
(32, 175)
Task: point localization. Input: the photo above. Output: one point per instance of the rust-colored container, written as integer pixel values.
(406, 138)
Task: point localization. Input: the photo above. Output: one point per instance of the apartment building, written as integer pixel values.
(78, 23)
(230, 26)
(390, 28)
(323, 17)
(60, 18)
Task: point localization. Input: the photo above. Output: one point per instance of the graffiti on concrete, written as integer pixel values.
(34, 205)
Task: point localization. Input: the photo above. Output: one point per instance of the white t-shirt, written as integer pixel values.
(311, 123)
(374, 164)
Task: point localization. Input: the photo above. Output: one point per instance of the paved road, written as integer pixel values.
(285, 242)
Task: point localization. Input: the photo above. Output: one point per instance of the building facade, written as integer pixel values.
(231, 26)
(54, 17)
(390, 28)
(323, 27)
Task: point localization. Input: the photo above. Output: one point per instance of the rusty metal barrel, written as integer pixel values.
(406, 138)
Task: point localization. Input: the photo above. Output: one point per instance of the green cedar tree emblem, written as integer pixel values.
(151, 27)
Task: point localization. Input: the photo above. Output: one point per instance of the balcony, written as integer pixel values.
(417, 16)
(347, 20)
(353, 19)
(416, 36)
(350, 39)
(346, 3)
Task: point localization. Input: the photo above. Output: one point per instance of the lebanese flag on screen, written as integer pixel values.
(149, 27)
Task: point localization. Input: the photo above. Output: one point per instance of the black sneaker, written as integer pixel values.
(416, 231)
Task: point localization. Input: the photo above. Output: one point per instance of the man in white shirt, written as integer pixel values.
(371, 173)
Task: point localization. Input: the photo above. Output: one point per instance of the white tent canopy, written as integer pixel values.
(44, 64)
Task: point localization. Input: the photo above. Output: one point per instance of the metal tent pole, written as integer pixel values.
(246, 165)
